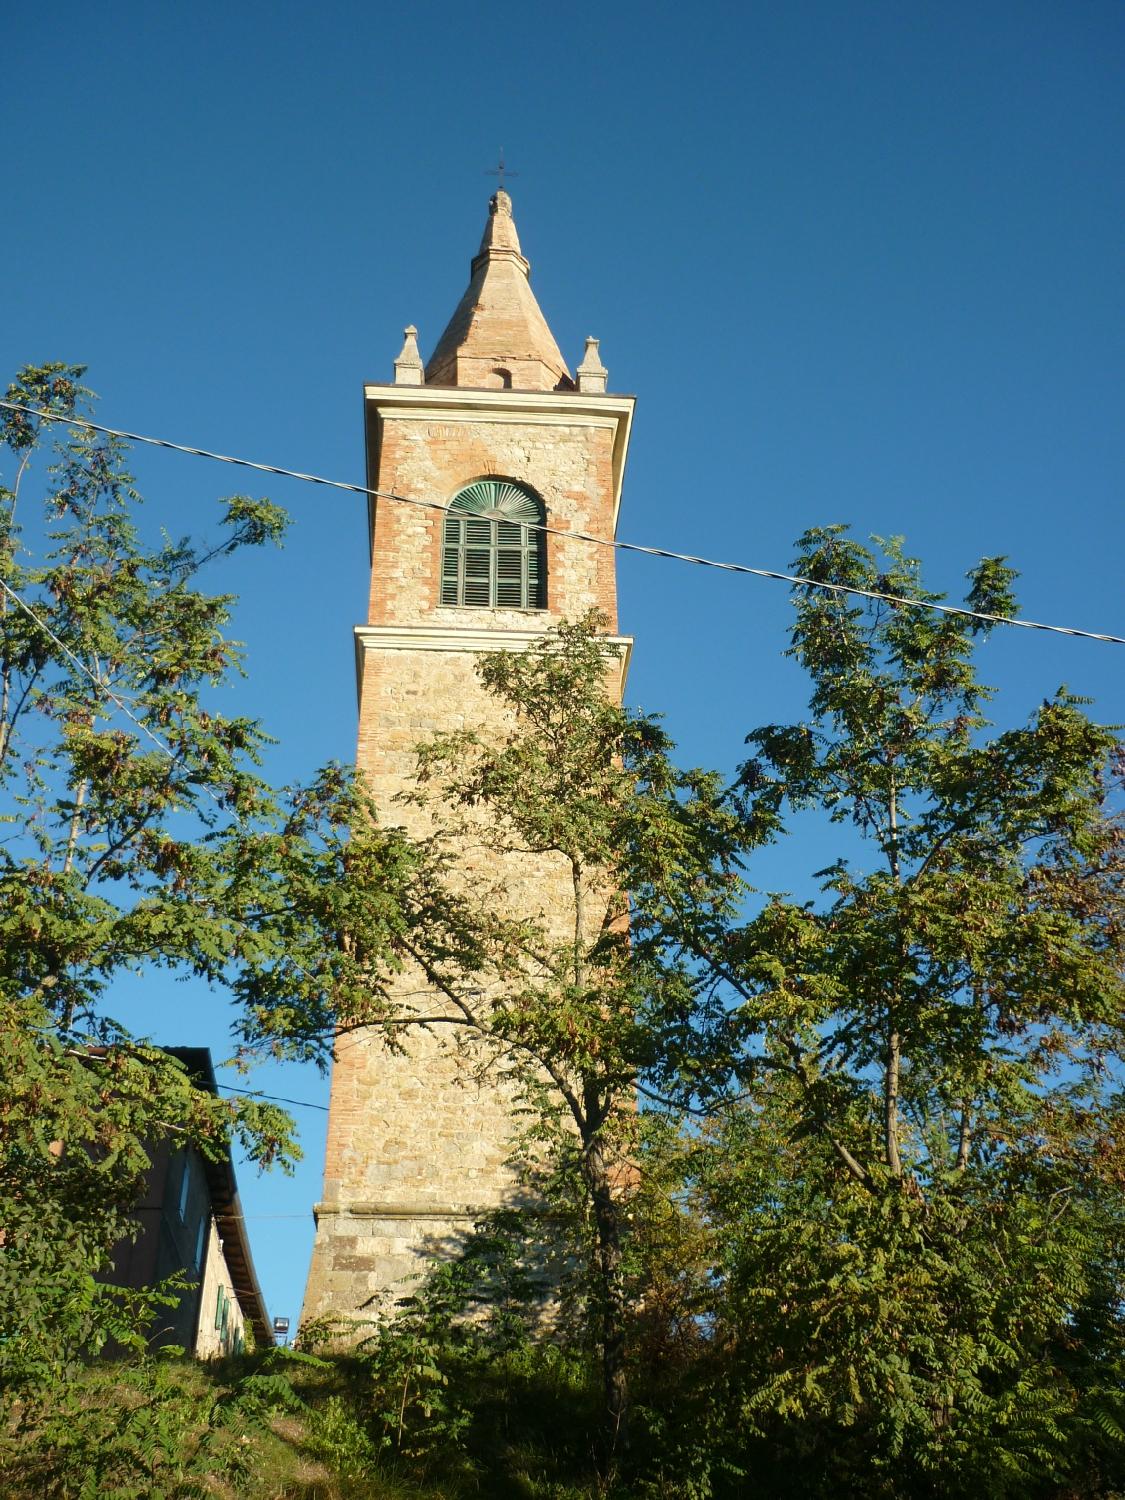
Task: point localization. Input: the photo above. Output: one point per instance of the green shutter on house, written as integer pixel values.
(493, 555)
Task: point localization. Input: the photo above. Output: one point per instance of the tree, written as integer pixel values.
(581, 1006)
(919, 1187)
(137, 833)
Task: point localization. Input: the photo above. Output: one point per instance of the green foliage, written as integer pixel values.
(877, 1346)
(450, 1394)
(917, 1197)
(572, 1009)
(152, 1427)
(965, 990)
(138, 834)
(413, 1408)
(337, 1437)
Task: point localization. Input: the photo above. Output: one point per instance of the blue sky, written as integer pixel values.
(858, 261)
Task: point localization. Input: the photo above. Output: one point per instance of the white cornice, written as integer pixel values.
(391, 1210)
(468, 638)
(543, 408)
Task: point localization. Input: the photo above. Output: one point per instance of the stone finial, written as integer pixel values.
(592, 374)
(408, 366)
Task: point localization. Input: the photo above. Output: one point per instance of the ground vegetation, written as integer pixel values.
(137, 833)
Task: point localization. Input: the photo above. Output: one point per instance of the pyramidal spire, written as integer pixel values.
(498, 337)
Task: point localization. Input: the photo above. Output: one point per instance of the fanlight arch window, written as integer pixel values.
(492, 555)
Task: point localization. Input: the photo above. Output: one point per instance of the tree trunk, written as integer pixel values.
(890, 1101)
(611, 1291)
(894, 1040)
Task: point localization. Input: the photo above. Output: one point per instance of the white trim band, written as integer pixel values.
(472, 639)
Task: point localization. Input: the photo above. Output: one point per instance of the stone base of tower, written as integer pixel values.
(368, 1255)
(417, 1152)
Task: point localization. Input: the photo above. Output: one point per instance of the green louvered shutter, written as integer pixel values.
(492, 554)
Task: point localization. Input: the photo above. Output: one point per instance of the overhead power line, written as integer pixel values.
(577, 536)
(239, 1093)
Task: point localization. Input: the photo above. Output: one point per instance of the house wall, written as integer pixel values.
(178, 1233)
(174, 1214)
(220, 1327)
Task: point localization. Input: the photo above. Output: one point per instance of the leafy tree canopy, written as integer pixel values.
(919, 1188)
(136, 832)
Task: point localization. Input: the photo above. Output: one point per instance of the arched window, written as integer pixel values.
(491, 557)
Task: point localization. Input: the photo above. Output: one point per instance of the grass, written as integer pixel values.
(176, 1428)
(271, 1427)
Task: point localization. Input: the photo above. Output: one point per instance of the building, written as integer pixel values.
(495, 428)
(191, 1222)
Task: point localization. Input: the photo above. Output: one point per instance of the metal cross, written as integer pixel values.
(500, 170)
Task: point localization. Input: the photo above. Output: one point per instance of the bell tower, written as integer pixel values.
(495, 428)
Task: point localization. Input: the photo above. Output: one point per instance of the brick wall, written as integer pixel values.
(570, 468)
